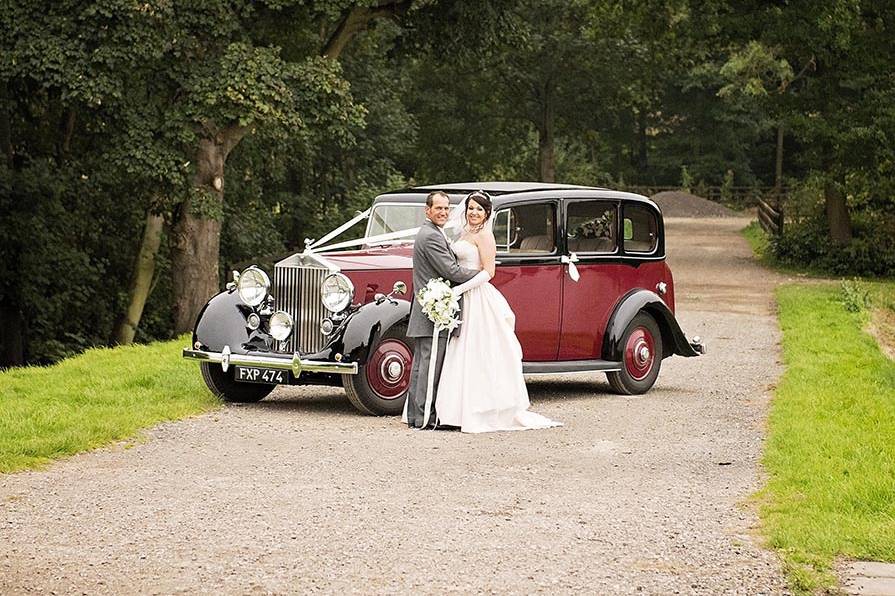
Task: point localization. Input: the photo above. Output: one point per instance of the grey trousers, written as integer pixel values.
(419, 377)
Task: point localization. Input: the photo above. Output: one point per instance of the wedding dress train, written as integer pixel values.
(481, 387)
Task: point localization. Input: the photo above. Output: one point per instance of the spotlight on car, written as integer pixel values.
(253, 321)
(281, 325)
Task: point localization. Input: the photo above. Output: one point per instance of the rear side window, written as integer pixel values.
(591, 227)
(641, 229)
(526, 229)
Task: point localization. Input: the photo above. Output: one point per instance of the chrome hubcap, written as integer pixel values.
(643, 354)
(392, 368)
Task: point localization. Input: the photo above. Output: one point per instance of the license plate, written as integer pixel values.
(268, 376)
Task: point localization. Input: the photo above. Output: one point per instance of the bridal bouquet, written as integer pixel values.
(439, 304)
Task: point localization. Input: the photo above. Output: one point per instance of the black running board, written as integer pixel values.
(569, 366)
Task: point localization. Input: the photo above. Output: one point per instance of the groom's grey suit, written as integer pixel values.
(432, 258)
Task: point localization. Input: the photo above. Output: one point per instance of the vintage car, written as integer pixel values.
(583, 268)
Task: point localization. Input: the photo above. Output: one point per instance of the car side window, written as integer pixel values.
(641, 229)
(591, 227)
(526, 229)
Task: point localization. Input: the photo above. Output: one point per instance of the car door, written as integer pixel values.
(529, 273)
(591, 250)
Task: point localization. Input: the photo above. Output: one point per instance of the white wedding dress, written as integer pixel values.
(481, 387)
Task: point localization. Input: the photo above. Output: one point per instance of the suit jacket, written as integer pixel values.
(432, 257)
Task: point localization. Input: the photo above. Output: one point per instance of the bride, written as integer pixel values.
(481, 387)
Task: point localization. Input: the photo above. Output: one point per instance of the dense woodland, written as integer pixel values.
(150, 146)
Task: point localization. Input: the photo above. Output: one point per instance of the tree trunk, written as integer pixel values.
(5, 131)
(546, 145)
(12, 336)
(141, 280)
(778, 166)
(642, 163)
(196, 237)
(837, 213)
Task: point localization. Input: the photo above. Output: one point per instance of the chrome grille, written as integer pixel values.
(296, 289)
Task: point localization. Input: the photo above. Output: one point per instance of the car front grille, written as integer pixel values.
(296, 289)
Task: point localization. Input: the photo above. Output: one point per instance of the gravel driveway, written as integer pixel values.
(300, 493)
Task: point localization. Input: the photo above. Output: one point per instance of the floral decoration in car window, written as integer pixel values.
(598, 227)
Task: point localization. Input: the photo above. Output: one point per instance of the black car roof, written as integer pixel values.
(504, 192)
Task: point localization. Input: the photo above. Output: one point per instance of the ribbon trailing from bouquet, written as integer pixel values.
(441, 306)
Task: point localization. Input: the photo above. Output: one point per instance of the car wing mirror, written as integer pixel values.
(399, 288)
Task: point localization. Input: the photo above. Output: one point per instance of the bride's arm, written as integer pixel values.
(487, 251)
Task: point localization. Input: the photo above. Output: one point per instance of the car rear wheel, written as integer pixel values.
(380, 386)
(224, 387)
(641, 357)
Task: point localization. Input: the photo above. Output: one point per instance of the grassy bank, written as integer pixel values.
(96, 398)
(830, 452)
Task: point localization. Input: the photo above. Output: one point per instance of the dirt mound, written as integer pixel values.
(675, 203)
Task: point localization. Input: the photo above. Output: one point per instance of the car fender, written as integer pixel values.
(673, 339)
(222, 322)
(366, 325)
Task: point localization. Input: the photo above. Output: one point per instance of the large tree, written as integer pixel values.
(823, 72)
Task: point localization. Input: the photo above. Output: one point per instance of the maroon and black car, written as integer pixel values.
(583, 269)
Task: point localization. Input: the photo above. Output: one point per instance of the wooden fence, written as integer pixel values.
(770, 217)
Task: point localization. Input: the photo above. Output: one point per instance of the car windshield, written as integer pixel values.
(386, 218)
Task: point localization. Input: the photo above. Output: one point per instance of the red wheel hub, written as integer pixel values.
(388, 369)
(640, 353)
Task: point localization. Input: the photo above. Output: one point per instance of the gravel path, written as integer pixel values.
(301, 493)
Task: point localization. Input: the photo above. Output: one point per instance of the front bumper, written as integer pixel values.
(296, 364)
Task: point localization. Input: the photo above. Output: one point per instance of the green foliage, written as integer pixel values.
(830, 452)
(96, 398)
(805, 241)
(67, 248)
(758, 240)
(854, 295)
(103, 106)
(727, 187)
(686, 179)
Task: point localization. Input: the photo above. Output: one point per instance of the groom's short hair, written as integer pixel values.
(430, 199)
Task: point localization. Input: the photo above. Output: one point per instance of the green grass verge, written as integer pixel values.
(830, 452)
(758, 240)
(99, 397)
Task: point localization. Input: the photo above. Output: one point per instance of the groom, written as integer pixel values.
(432, 258)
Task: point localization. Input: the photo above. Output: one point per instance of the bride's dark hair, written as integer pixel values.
(483, 200)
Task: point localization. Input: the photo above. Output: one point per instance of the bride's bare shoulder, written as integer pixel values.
(483, 239)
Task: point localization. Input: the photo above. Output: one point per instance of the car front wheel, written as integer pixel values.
(380, 386)
(641, 357)
(224, 387)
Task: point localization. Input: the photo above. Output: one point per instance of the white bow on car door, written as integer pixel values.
(570, 260)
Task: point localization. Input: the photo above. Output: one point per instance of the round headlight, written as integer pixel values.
(253, 286)
(281, 325)
(337, 291)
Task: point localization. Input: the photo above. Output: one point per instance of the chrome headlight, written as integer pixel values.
(336, 291)
(253, 286)
(281, 325)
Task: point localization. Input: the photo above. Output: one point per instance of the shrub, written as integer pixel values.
(854, 295)
(805, 241)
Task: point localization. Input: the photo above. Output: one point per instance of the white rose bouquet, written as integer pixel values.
(440, 304)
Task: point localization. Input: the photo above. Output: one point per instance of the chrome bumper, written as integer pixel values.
(296, 364)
